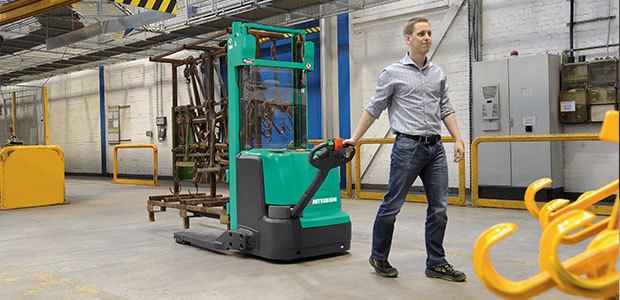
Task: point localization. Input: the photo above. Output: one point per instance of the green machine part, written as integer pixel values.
(287, 172)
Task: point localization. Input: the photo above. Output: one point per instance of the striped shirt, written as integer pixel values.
(416, 99)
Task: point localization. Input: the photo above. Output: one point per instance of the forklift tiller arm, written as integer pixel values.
(324, 157)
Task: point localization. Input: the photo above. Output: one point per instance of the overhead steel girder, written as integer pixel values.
(21, 9)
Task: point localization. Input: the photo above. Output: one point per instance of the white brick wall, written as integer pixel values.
(74, 119)
(138, 84)
(528, 26)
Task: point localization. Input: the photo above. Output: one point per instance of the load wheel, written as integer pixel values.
(180, 240)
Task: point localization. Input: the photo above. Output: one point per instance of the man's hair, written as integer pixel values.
(411, 23)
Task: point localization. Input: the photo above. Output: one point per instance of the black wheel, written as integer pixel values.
(180, 240)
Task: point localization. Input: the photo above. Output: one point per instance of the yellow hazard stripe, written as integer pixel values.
(313, 29)
(307, 30)
(167, 6)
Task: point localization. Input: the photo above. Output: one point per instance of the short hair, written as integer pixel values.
(411, 23)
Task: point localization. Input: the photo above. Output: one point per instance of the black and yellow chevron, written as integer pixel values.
(168, 6)
(313, 29)
(307, 30)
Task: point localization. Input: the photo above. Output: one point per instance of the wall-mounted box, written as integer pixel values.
(603, 95)
(574, 106)
(575, 75)
(604, 72)
(598, 112)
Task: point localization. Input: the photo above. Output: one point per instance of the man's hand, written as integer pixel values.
(459, 151)
(349, 142)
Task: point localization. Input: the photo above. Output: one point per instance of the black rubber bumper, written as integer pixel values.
(284, 239)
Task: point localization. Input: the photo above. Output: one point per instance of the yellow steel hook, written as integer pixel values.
(550, 210)
(492, 280)
(604, 246)
(587, 199)
(613, 218)
(530, 287)
(588, 230)
(530, 195)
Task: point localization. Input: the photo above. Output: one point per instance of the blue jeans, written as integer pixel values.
(409, 160)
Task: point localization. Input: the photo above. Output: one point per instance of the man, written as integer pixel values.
(414, 91)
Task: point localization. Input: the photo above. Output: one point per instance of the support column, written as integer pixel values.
(344, 96)
(102, 120)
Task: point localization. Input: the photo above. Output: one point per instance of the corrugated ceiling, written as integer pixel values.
(24, 56)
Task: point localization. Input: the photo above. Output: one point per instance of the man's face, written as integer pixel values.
(419, 42)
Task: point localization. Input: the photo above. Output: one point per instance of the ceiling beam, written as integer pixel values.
(21, 9)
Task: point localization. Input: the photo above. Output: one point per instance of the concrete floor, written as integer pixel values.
(101, 246)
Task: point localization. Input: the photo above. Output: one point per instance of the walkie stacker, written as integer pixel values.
(281, 207)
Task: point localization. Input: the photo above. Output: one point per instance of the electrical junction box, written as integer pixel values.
(603, 91)
(575, 75)
(517, 96)
(490, 107)
(604, 72)
(587, 103)
(161, 128)
(160, 121)
(598, 112)
(574, 106)
(603, 95)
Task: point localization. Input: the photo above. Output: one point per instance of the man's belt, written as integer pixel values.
(424, 139)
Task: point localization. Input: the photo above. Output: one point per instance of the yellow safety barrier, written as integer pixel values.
(348, 184)
(136, 181)
(31, 176)
(597, 209)
(359, 194)
(609, 129)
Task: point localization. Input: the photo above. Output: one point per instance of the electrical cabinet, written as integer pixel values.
(161, 128)
(604, 72)
(603, 87)
(574, 106)
(575, 75)
(518, 96)
(589, 90)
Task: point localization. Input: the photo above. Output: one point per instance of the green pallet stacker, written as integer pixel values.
(284, 198)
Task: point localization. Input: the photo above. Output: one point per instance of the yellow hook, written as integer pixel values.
(605, 246)
(530, 287)
(588, 231)
(530, 195)
(613, 218)
(599, 242)
(492, 280)
(587, 199)
(548, 208)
